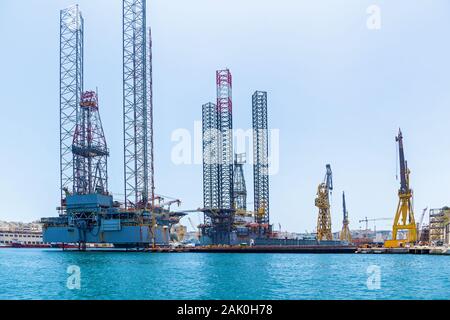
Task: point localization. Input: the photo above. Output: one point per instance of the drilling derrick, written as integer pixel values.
(136, 106)
(89, 148)
(323, 203)
(260, 157)
(240, 189)
(345, 233)
(71, 87)
(404, 217)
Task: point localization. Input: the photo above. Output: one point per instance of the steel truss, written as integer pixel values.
(261, 157)
(211, 181)
(240, 189)
(225, 111)
(71, 87)
(90, 149)
(136, 97)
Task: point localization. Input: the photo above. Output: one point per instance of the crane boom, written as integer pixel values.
(345, 233)
(403, 164)
(329, 178)
(344, 207)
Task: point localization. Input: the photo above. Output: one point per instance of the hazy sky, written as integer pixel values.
(337, 92)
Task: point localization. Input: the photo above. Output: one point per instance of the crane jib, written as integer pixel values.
(403, 163)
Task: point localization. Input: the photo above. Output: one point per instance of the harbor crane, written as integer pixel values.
(322, 202)
(345, 234)
(404, 217)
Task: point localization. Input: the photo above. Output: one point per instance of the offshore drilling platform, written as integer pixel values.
(227, 220)
(88, 212)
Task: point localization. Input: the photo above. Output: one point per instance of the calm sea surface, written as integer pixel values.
(42, 274)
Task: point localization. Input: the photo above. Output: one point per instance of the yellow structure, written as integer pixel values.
(404, 217)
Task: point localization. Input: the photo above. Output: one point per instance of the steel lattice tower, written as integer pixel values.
(225, 110)
(261, 157)
(137, 149)
(71, 87)
(90, 149)
(210, 123)
(240, 189)
(150, 140)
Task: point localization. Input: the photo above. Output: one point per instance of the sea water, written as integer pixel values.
(54, 274)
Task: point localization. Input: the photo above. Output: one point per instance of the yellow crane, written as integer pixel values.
(323, 203)
(345, 234)
(404, 217)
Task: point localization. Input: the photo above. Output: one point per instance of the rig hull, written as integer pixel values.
(126, 236)
(96, 219)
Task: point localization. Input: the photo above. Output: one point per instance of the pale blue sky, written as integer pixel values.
(337, 91)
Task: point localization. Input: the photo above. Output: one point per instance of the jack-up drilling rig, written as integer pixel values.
(404, 217)
(323, 203)
(88, 213)
(218, 163)
(226, 219)
(345, 234)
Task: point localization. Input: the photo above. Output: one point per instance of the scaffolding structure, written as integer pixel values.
(137, 113)
(240, 188)
(438, 218)
(261, 157)
(71, 87)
